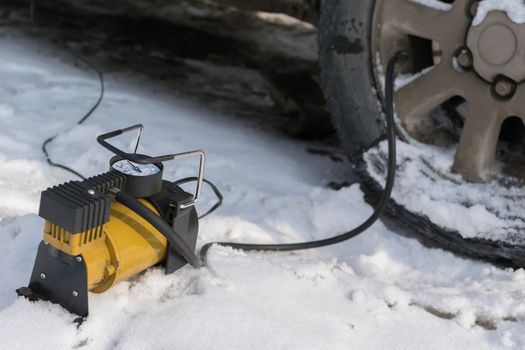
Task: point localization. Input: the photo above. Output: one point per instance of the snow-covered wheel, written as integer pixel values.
(460, 103)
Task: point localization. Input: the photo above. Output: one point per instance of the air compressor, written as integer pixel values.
(112, 226)
(109, 227)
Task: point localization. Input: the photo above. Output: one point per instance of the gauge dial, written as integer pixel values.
(127, 167)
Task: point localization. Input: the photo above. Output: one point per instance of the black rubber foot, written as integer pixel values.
(29, 294)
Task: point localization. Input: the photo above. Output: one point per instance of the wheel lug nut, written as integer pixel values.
(504, 88)
(464, 58)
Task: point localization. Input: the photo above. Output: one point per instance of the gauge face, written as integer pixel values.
(134, 169)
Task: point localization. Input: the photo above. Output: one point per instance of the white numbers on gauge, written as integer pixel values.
(130, 168)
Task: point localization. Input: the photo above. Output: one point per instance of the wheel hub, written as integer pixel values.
(497, 47)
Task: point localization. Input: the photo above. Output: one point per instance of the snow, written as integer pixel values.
(489, 211)
(515, 10)
(378, 291)
(435, 4)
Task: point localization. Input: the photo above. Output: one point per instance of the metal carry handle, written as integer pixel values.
(142, 159)
(200, 178)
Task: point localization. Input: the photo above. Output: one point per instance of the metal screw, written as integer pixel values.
(43, 276)
(78, 259)
(91, 192)
(504, 88)
(75, 293)
(464, 58)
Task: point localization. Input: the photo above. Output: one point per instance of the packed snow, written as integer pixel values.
(435, 4)
(379, 291)
(515, 10)
(426, 186)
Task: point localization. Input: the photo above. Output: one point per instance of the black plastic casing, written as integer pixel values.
(78, 206)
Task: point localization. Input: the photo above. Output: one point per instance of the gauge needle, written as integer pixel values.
(136, 168)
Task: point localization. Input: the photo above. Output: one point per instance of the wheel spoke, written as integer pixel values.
(516, 106)
(416, 19)
(417, 99)
(476, 152)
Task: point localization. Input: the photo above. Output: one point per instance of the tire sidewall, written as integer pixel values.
(347, 76)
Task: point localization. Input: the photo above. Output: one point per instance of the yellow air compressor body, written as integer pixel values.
(112, 226)
(123, 247)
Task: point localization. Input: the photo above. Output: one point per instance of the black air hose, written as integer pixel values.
(383, 201)
(156, 221)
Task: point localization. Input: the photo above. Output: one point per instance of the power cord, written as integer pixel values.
(79, 122)
(383, 201)
(33, 17)
(214, 188)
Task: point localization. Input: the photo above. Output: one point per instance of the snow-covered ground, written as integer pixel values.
(379, 291)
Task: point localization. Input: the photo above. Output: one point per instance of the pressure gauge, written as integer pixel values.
(142, 180)
(127, 167)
